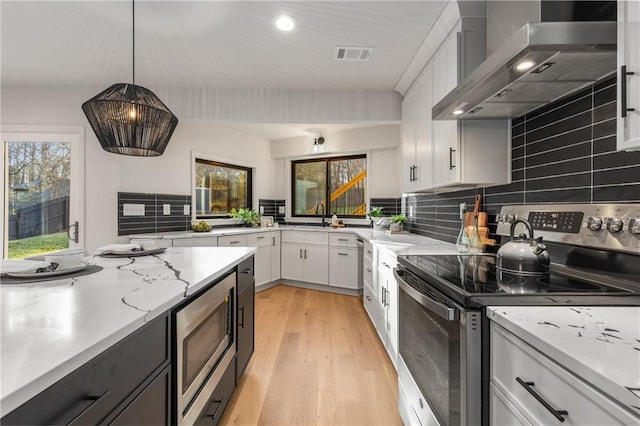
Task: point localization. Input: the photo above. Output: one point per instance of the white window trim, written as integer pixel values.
(72, 134)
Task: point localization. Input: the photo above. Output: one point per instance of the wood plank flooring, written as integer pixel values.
(317, 361)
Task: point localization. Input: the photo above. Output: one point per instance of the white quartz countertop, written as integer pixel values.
(599, 344)
(399, 243)
(51, 328)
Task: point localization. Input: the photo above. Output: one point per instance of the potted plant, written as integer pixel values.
(396, 222)
(247, 216)
(378, 221)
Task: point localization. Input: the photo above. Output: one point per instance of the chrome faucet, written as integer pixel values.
(324, 215)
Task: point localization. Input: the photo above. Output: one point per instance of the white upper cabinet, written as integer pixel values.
(416, 135)
(439, 153)
(628, 83)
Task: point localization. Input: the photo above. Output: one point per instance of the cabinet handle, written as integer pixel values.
(234, 242)
(384, 293)
(342, 239)
(94, 401)
(386, 265)
(529, 388)
(623, 91)
(215, 413)
(368, 298)
(261, 238)
(343, 254)
(241, 323)
(273, 241)
(368, 269)
(369, 251)
(300, 253)
(451, 165)
(305, 253)
(248, 271)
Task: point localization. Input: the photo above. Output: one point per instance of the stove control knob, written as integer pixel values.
(499, 218)
(634, 227)
(615, 224)
(509, 218)
(595, 223)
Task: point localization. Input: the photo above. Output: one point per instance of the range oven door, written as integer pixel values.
(205, 346)
(440, 355)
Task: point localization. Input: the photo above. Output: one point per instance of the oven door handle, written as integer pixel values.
(442, 310)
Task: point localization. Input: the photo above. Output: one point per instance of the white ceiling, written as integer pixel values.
(212, 44)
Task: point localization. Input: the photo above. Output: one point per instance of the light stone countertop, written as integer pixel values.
(599, 344)
(51, 328)
(399, 243)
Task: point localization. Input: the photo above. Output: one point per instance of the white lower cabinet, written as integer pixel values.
(305, 256)
(233, 241)
(518, 371)
(344, 265)
(388, 302)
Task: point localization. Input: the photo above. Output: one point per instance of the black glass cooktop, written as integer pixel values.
(477, 275)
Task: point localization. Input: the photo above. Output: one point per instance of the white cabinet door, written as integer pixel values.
(316, 264)
(196, 242)
(263, 265)
(423, 174)
(371, 305)
(275, 255)
(392, 318)
(408, 129)
(292, 261)
(629, 57)
(343, 267)
(233, 241)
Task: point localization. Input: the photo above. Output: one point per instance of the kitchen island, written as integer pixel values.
(51, 328)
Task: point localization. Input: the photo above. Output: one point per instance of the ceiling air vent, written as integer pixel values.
(353, 53)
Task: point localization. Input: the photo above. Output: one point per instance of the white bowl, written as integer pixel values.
(66, 259)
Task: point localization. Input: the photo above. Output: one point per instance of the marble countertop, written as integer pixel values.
(399, 243)
(49, 329)
(599, 344)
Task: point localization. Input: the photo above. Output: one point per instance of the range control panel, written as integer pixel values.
(606, 226)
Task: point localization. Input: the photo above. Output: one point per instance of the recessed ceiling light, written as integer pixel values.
(525, 65)
(285, 23)
(458, 112)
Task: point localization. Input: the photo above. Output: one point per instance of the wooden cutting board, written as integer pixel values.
(482, 216)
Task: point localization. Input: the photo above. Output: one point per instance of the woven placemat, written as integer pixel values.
(91, 269)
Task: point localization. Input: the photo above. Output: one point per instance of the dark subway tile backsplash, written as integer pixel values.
(154, 219)
(561, 153)
(275, 208)
(390, 206)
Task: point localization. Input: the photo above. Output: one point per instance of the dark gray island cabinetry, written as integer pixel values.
(127, 384)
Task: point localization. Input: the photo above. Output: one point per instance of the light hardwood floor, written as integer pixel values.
(317, 360)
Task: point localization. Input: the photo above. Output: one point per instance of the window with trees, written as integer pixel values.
(220, 188)
(336, 184)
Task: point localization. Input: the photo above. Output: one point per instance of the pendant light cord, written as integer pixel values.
(133, 38)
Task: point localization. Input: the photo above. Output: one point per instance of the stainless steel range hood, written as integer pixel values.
(567, 56)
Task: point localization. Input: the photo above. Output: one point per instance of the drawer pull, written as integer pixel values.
(248, 271)
(343, 254)
(529, 388)
(368, 298)
(368, 270)
(234, 242)
(342, 239)
(215, 413)
(94, 401)
(261, 238)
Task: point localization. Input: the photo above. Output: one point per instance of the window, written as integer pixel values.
(337, 183)
(221, 187)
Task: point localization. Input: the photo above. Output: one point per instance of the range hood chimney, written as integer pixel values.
(538, 64)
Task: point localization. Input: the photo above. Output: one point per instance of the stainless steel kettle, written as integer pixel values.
(522, 255)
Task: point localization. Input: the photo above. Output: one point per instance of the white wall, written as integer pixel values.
(380, 143)
(107, 174)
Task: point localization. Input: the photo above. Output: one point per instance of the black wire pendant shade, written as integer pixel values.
(129, 119)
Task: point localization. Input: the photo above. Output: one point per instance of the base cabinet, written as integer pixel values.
(219, 400)
(518, 370)
(123, 384)
(305, 256)
(152, 407)
(388, 303)
(245, 317)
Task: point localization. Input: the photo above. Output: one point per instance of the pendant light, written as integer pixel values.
(129, 119)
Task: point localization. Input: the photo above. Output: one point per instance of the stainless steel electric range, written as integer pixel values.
(443, 332)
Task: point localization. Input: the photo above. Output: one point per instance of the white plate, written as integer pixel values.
(20, 265)
(46, 274)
